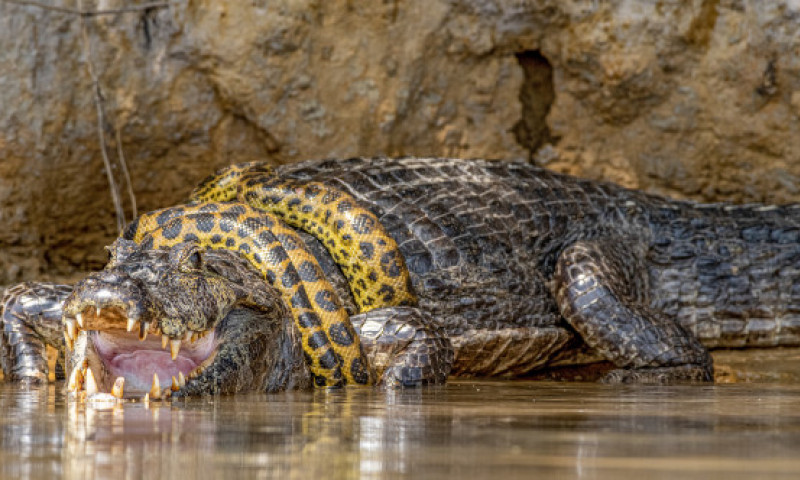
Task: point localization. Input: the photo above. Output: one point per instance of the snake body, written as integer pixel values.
(333, 350)
(352, 234)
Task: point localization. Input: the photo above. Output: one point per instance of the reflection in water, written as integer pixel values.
(470, 429)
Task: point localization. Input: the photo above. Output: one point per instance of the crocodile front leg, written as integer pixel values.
(602, 293)
(31, 319)
(405, 346)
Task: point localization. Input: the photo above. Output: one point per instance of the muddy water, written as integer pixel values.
(497, 429)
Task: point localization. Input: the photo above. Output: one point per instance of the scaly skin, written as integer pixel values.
(353, 235)
(332, 347)
(519, 269)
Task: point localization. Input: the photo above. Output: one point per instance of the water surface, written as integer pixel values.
(468, 429)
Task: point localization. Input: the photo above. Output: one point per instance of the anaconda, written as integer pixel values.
(494, 268)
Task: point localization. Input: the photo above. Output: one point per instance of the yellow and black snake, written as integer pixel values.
(354, 237)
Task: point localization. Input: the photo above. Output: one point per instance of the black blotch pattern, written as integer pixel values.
(230, 243)
(216, 238)
(244, 248)
(131, 229)
(328, 360)
(308, 272)
(317, 341)
(331, 196)
(290, 278)
(387, 291)
(147, 243)
(359, 371)
(204, 221)
(236, 210)
(173, 229)
(191, 237)
(344, 206)
(277, 255)
(312, 191)
(326, 300)
(266, 237)
(288, 241)
(167, 215)
(390, 264)
(367, 250)
(363, 224)
(340, 335)
(209, 207)
(226, 223)
(271, 277)
(300, 299)
(309, 319)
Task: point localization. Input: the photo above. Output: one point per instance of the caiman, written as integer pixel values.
(406, 271)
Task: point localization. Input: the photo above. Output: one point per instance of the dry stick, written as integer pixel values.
(100, 122)
(127, 175)
(89, 13)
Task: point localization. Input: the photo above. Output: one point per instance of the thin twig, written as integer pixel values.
(126, 174)
(100, 123)
(89, 13)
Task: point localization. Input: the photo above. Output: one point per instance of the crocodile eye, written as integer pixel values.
(186, 257)
(118, 251)
(194, 260)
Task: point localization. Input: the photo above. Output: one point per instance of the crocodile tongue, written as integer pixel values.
(124, 355)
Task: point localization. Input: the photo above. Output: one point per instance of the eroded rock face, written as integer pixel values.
(695, 99)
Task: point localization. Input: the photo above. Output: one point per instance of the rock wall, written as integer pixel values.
(695, 99)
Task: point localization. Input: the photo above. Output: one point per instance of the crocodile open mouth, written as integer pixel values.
(175, 321)
(119, 350)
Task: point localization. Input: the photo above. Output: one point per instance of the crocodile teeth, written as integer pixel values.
(131, 324)
(75, 379)
(174, 348)
(68, 342)
(70, 328)
(175, 387)
(143, 330)
(188, 336)
(91, 384)
(119, 384)
(79, 318)
(181, 380)
(164, 341)
(155, 389)
(146, 399)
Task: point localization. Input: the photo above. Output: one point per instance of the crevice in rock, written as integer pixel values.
(536, 95)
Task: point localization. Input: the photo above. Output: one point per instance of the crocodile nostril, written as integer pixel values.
(110, 277)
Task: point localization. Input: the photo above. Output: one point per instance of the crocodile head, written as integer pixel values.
(203, 317)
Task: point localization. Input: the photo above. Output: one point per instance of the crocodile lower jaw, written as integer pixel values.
(124, 355)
